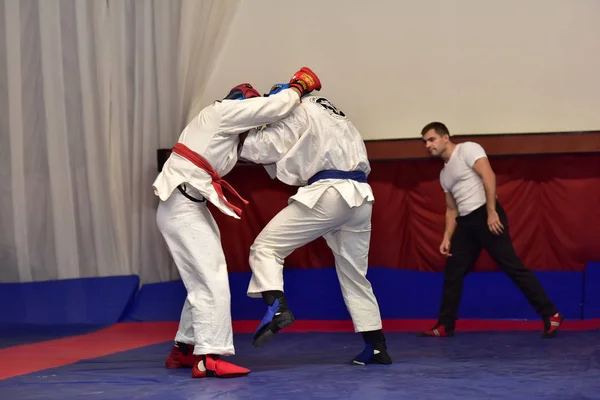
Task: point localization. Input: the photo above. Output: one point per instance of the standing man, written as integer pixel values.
(317, 148)
(475, 221)
(206, 151)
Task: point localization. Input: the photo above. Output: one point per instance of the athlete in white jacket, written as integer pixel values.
(205, 152)
(317, 148)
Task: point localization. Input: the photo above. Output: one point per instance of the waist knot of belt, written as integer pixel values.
(217, 182)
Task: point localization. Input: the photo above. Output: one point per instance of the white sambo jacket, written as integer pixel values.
(316, 136)
(214, 135)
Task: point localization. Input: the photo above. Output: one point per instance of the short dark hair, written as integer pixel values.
(438, 127)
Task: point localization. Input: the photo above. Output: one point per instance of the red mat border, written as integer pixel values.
(422, 324)
(31, 358)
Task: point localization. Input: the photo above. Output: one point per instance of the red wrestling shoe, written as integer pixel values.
(552, 325)
(181, 356)
(212, 366)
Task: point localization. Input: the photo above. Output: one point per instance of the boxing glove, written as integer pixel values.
(305, 81)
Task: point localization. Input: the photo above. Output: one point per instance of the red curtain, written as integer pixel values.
(552, 203)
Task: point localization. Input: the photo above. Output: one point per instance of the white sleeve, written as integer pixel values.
(237, 116)
(472, 152)
(270, 144)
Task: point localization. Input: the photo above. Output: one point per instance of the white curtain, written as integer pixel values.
(89, 89)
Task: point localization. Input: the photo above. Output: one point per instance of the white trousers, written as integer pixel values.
(347, 232)
(194, 242)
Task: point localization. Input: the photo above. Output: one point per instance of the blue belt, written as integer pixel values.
(358, 176)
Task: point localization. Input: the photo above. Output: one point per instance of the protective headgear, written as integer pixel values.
(241, 92)
(276, 88)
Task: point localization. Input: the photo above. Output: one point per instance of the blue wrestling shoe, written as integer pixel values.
(371, 355)
(375, 351)
(278, 316)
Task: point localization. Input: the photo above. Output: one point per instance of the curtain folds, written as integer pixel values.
(88, 91)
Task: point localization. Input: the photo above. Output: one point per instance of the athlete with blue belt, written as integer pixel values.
(317, 148)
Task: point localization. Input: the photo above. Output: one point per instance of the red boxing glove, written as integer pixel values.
(305, 81)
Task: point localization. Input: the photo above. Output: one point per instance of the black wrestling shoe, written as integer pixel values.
(278, 316)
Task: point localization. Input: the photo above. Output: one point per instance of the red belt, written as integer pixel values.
(217, 182)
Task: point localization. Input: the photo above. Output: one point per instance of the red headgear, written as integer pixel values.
(241, 92)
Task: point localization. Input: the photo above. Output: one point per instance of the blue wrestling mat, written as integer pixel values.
(474, 365)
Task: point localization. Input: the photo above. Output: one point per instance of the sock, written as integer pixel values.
(183, 348)
(375, 338)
